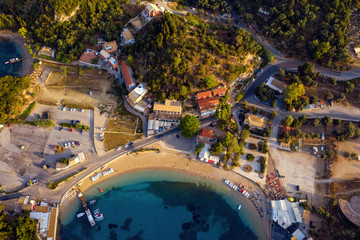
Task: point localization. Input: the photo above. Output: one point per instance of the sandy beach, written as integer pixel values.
(27, 68)
(172, 161)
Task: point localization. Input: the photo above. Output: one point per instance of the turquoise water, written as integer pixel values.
(9, 50)
(162, 205)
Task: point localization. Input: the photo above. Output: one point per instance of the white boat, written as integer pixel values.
(239, 207)
(92, 201)
(227, 181)
(231, 184)
(96, 211)
(80, 215)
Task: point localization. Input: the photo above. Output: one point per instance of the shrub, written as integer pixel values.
(64, 160)
(263, 147)
(263, 164)
(44, 123)
(253, 146)
(26, 113)
(250, 157)
(199, 147)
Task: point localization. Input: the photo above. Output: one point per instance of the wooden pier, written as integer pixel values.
(87, 211)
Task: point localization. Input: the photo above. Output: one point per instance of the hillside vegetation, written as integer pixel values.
(12, 96)
(69, 38)
(181, 53)
(312, 28)
(212, 5)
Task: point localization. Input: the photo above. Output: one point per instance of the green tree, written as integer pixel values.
(130, 60)
(183, 91)
(327, 121)
(223, 112)
(217, 148)
(263, 147)
(199, 147)
(288, 120)
(250, 157)
(293, 92)
(189, 126)
(209, 81)
(317, 122)
(239, 96)
(245, 133)
(306, 69)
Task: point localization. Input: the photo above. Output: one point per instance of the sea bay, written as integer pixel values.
(8, 50)
(155, 204)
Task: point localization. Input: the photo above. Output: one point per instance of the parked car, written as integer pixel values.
(125, 146)
(177, 136)
(81, 110)
(71, 130)
(130, 143)
(61, 128)
(322, 148)
(63, 109)
(297, 188)
(117, 149)
(45, 115)
(73, 144)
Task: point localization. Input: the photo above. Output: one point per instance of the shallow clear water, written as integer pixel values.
(9, 50)
(160, 205)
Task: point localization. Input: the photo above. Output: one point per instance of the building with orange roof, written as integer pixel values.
(208, 103)
(219, 92)
(204, 95)
(88, 56)
(127, 76)
(206, 136)
(110, 47)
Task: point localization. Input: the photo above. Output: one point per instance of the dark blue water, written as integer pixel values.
(160, 210)
(9, 50)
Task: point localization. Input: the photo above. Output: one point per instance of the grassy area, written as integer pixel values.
(114, 140)
(26, 113)
(79, 105)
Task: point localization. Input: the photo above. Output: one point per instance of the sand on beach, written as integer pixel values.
(172, 161)
(27, 67)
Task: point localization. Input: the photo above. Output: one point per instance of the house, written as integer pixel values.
(110, 47)
(219, 92)
(104, 55)
(137, 24)
(276, 84)
(46, 51)
(254, 121)
(47, 217)
(205, 155)
(152, 10)
(88, 56)
(168, 111)
(209, 103)
(127, 37)
(285, 213)
(143, 106)
(127, 76)
(203, 95)
(206, 136)
(137, 94)
(113, 63)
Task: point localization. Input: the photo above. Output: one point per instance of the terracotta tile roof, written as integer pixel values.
(168, 106)
(110, 47)
(137, 24)
(87, 57)
(206, 133)
(208, 103)
(202, 95)
(126, 73)
(219, 92)
(285, 129)
(52, 224)
(127, 35)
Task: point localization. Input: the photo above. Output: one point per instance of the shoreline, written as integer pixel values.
(18, 40)
(168, 160)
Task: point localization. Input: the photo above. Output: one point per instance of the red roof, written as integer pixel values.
(206, 133)
(208, 103)
(219, 92)
(285, 129)
(126, 73)
(203, 95)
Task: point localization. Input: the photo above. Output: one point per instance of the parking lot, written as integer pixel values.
(25, 149)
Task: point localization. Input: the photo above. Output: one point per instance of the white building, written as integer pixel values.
(275, 84)
(205, 155)
(285, 213)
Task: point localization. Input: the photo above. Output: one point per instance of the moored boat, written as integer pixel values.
(7, 62)
(100, 190)
(239, 207)
(99, 217)
(92, 201)
(80, 215)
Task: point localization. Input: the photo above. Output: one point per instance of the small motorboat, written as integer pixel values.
(80, 215)
(7, 62)
(100, 190)
(239, 207)
(96, 212)
(99, 217)
(92, 201)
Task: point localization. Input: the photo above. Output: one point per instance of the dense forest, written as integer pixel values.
(12, 96)
(212, 5)
(69, 38)
(20, 227)
(184, 54)
(314, 27)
